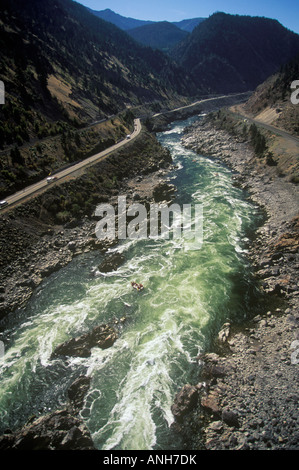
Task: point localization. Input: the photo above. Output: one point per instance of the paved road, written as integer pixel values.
(188, 106)
(41, 185)
(269, 127)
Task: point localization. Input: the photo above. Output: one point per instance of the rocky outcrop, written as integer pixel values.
(185, 401)
(224, 333)
(102, 336)
(76, 393)
(164, 192)
(60, 430)
(56, 431)
(111, 262)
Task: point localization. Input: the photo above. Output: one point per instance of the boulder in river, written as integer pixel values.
(111, 263)
(102, 336)
(56, 431)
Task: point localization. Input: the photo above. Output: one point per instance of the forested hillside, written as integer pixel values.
(60, 62)
(162, 35)
(64, 68)
(230, 53)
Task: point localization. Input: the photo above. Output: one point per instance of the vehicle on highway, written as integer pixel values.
(128, 137)
(3, 204)
(50, 179)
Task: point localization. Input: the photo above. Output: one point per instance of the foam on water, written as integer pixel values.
(187, 294)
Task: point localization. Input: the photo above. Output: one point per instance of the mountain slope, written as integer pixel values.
(161, 35)
(271, 101)
(229, 53)
(59, 59)
(64, 68)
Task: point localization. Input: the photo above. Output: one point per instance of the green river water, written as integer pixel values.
(187, 297)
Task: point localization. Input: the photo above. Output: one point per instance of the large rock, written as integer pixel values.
(77, 391)
(224, 333)
(164, 192)
(55, 431)
(102, 336)
(210, 402)
(230, 417)
(112, 263)
(60, 430)
(185, 401)
(213, 366)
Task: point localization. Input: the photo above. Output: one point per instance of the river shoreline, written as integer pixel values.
(247, 394)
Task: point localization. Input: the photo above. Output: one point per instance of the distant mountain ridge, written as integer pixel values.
(127, 23)
(188, 25)
(121, 22)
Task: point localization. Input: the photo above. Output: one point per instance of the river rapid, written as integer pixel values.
(188, 294)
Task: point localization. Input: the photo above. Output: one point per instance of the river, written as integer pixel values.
(188, 295)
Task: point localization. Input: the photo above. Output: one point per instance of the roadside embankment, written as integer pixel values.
(246, 397)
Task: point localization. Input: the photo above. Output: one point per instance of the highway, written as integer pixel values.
(61, 175)
(94, 159)
(196, 103)
(266, 126)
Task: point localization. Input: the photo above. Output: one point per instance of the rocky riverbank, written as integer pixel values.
(246, 397)
(60, 430)
(64, 429)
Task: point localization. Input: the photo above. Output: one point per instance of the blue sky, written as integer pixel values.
(285, 11)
